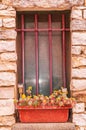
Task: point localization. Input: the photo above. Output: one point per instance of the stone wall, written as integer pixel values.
(8, 66)
(8, 56)
(78, 82)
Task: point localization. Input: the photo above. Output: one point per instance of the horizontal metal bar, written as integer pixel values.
(41, 30)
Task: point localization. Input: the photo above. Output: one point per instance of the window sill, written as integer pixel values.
(44, 126)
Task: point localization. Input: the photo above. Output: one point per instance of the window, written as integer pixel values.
(43, 50)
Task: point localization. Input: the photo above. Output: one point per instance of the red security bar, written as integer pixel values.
(63, 51)
(22, 33)
(50, 50)
(42, 30)
(36, 51)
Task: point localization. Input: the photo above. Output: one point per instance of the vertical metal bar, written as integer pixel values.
(50, 50)
(36, 52)
(22, 33)
(63, 51)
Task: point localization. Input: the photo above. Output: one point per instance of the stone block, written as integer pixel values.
(7, 45)
(7, 2)
(79, 119)
(0, 22)
(84, 14)
(8, 66)
(8, 34)
(77, 84)
(44, 126)
(78, 38)
(85, 2)
(7, 120)
(5, 128)
(3, 6)
(7, 12)
(6, 92)
(78, 61)
(76, 93)
(79, 7)
(7, 78)
(6, 107)
(8, 56)
(78, 25)
(79, 73)
(11, 8)
(82, 128)
(62, 4)
(9, 22)
(76, 50)
(76, 14)
(76, 2)
(81, 97)
(83, 51)
(79, 107)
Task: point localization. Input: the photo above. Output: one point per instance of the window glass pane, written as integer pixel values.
(43, 21)
(57, 59)
(30, 78)
(43, 56)
(29, 21)
(43, 63)
(56, 21)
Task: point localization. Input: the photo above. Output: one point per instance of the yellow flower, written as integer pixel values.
(15, 100)
(46, 97)
(30, 87)
(28, 97)
(23, 96)
(36, 97)
(55, 91)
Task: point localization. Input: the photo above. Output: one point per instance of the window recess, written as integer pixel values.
(43, 47)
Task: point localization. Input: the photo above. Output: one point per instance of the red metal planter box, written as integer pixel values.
(48, 114)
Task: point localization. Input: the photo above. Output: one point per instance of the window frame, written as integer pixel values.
(63, 29)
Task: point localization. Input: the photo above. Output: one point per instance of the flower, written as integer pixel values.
(58, 98)
(29, 90)
(23, 96)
